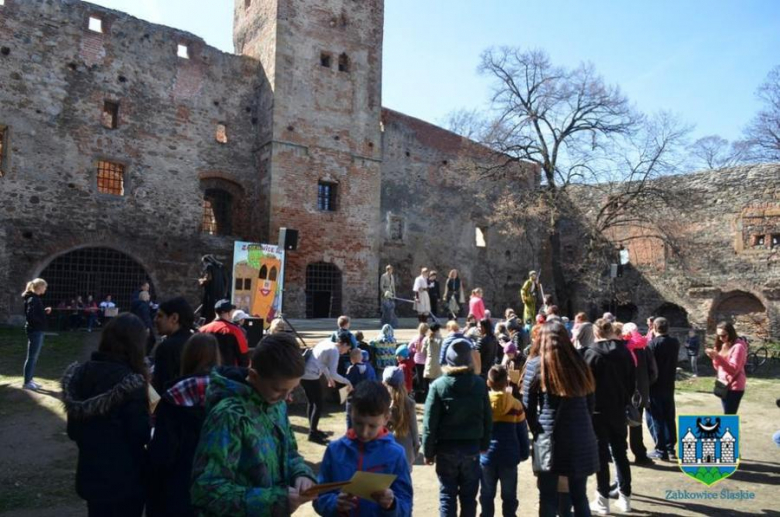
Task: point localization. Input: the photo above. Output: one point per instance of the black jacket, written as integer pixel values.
(143, 311)
(108, 417)
(665, 349)
(167, 359)
(171, 451)
(614, 372)
(34, 312)
(487, 346)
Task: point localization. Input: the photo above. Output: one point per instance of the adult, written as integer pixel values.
(453, 294)
(107, 309)
(214, 282)
(140, 307)
(107, 407)
(728, 358)
(178, 419)
(91, 312)
(662, 416)
(612, 367)
(35, 325)
(646, 374)
(174, 320)
(557, 395)
(388, 286)
(422, 301)
(582, 335)
(233, 346)
(434, 292)
(531, 295)
(487, 346)
(322, 360)
(477, 304)
(692, 345)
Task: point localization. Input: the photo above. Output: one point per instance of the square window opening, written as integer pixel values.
(111, 178)
(183, 51)
(481, 240)
(95, 24)
(759, 241)
(221, 135)
(775, 242)
(110, 117)
(325, 60)
(343, 63)
(326, 196)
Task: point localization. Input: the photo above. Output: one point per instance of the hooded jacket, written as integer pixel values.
(34, 313)
(108, 418)
(509, 439)
(179, 418)
(382, 455)
(247, 456)
(384, 345)
(457, 412)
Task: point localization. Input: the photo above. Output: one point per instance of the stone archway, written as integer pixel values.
(744, 310)
(95, 270)
(323, 290)
(676, 316)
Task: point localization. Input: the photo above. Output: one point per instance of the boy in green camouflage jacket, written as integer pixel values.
(247, 460)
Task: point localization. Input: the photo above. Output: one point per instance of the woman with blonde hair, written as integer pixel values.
(35, 325)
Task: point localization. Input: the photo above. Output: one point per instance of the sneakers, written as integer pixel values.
(318, 437)
(600, 506)
(624, 502)
(658, 455)
(613, 491)
(32, 386)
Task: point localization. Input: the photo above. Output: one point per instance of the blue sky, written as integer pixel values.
(702, 59)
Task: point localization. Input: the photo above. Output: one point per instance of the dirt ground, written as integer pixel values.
(37, 460)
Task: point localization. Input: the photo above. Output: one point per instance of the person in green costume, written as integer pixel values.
(530, 293)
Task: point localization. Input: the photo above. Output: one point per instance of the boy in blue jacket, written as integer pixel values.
(508, 446)
(368, 447)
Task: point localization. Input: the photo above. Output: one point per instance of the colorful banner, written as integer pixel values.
(258, 279)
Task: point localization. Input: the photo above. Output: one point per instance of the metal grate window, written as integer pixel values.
(326, 196)
(323, 290)
(111, 178)
(95, 271)
(217, 212)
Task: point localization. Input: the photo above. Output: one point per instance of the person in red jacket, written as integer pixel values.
(233, 346)
(406, 363)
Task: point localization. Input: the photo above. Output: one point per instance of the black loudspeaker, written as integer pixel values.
(288, 239)
(254, 331)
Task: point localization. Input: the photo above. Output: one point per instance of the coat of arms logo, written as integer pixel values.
(708, 446)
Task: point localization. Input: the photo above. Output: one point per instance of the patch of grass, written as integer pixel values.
(59, 350)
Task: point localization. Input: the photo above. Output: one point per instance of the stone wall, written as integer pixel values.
(55, 75)
(717, 259)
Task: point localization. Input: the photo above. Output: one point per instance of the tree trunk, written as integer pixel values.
(562, 294)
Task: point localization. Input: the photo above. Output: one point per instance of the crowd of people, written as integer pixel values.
(198, 424)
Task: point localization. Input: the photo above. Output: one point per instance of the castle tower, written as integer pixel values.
(689, 447)
(319, 157)
(727, 442)
(708, 450)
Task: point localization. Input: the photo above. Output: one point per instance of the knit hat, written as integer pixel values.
(403, 351)
(459, 353)
(393, 376)
(510, 348)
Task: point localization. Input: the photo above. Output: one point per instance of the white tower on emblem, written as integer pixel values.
(689, 447)
(727, 447)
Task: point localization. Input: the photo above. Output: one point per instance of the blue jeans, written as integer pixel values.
(34, 344)
(661, 421)
(731, 402)
(551, 503)
(459, 474)
(507, 475)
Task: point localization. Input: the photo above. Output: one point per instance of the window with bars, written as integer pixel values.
(217, 212)
(111, 178)
(327, 196)
(110, 117)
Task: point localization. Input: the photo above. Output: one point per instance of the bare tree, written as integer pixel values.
(576, 129)
(715, 152)
(763, 132)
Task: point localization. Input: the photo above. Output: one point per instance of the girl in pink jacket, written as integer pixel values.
(728, 358)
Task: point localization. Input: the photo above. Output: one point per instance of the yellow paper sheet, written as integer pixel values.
(325, 487)
(364, 484)
(514, 376)
(154, 398)
(343, 394)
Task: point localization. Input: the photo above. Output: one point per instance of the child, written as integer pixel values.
(384, 346)
(343, 322)
(403, 414)
(432, 349)
(508, 446)
(368, 447)
(108, 417)
(416, 348)
(406, 364)
(366, 347)
(358, 372)
(513, 363)
(456, 427)
(247, 460)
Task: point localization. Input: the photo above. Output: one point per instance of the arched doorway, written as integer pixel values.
(323, 290)
(674, 314)
(96, 271)
(744, 310)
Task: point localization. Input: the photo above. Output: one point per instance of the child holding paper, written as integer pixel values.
(367, 447)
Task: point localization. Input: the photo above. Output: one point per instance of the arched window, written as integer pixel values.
(263, 274)
(217, 212)
(272, 275)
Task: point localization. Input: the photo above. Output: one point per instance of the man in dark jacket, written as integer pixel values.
(613, 370)
(662, 415)
(174, 320)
